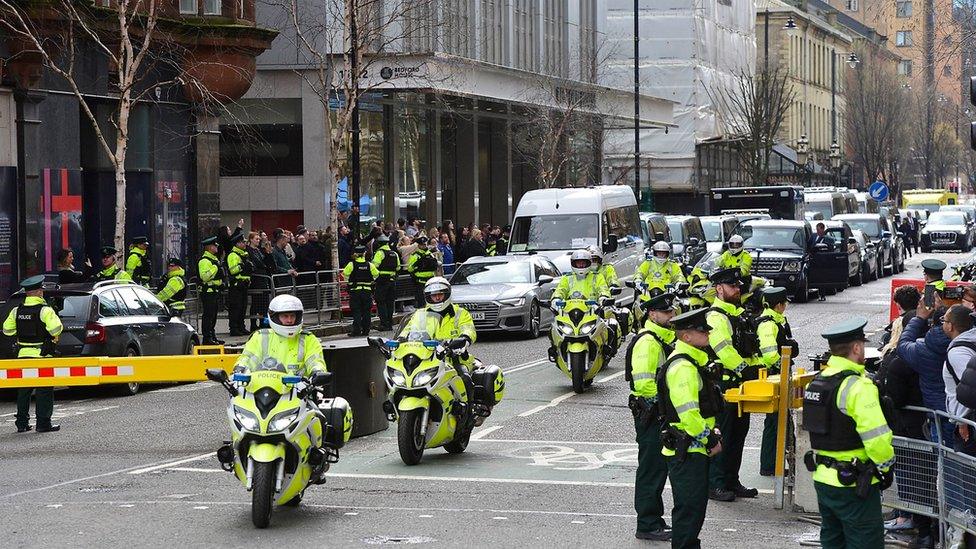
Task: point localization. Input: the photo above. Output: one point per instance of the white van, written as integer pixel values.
(556, 222)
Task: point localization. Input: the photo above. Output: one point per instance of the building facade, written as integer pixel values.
(457, 94)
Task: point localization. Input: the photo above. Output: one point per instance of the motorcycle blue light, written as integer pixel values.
(391, 344)
(291, 380)
(590, 303)
(242, 378)
(430, 344)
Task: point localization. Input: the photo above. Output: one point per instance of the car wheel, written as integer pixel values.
(535, 321)
(857, 279)
(188, 348)
(128, 389)
(802, 292)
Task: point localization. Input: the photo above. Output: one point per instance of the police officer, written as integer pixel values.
(689, 401)
(932, 273)
(455, 321)
(360, 275)
(852, 453)
(110, 269)
(137, 262)
(239, 271)
(37, 328)
(606, 270)
(211, 282)
(299, 351)
(647, 352)
(659, 271)
(774, 333)
(422, 266)
(729, 342)
(387, 262)
(735, 256)
(173, 292)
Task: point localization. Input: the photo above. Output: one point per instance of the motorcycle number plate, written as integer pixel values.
(477, 315)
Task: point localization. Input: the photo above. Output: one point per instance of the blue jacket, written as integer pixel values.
(448, 254)
(926, 355)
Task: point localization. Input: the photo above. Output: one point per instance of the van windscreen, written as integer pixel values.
(554, 232)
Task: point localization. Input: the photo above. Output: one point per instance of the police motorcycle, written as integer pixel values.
(433, 398)
(284, 433)
(581, 338)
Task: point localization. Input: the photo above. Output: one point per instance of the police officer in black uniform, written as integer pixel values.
(360, 275)
(387, 261)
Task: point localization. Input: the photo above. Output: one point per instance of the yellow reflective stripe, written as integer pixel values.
(722, 345)
(638, 377)
(845, 389)
(688, 406)
(875, 433)
(766, 350)
(265, 342)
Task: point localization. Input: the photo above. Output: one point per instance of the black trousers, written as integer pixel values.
(689, 488)
(236, 305)
(43, 406)
(208, 302)
(259, 305)
(652, 473)
(384, 291)
(360, 301)
(418, 293)
(724, 470)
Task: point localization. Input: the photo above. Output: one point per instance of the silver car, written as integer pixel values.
(503, 293)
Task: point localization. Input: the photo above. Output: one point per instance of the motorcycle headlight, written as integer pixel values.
(516, 302)
(588, 328)
(564, 328)
(397, 377)
(424, 377)
(792, 266)
(247, 419)
(281, 421)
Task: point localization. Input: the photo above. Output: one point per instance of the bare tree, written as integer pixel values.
(754, 110)
(946, 150)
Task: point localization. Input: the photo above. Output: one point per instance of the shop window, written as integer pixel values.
(413, 166)
(261, 137)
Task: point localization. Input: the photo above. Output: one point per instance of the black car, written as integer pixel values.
(687, 238)
(112, 318)
(876, 227)
(947, 230)
(784, 252)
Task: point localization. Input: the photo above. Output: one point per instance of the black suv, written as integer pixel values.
(112, 318)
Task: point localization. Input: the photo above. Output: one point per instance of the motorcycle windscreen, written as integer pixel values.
(829, 267)
(422, 325)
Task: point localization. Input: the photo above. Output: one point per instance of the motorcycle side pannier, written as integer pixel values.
(489, 384)
(338, 418)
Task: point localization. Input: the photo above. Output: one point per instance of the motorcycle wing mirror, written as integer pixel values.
(320, 379)
(217, 375)
(374, 341)
(694, 241)
(607, 301)
(616, 290)
(630, 284)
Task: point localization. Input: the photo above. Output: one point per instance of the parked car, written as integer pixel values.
(503, 293)
(947, 230)
(812, 216)
(869, 256)
(717, 229)
(876, 227)
(113, 318)
(655, 227)
(784, 253)
(687, 238)
(841, 233)
(897, 243)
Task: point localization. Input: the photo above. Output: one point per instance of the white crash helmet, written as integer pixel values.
(581, 261)
(735, 244)
(661, 247)
(285, 304)
(437, 294)
(596, 255)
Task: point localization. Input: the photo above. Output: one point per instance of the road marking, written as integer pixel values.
(201, 507)
(195, 470)
(611, 377)
(520, 441)
(126, 505)
(552, 404)
(425, 516)
(499, 518)
(484, 432)
(426, 478)
(525, 366)
(578, 522)
(351, 514)
(171, 464)
(565, 458)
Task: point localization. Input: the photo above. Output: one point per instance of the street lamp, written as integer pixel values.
(835, 161)
(852, 60)
(802, 150)
(790, 26)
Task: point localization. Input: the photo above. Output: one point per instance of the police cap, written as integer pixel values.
(692, 320)
(108, 251)
(660, 300)
(140, 240)
(774, 295)
(846, 331)
(421, 239)
(359, 249)
(32, 283)
(174, 262)
(726, 276)
(934, 267)
(238, 237)
(382, 239)
(210, 240)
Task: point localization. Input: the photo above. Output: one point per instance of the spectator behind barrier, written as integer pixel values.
(925, 352)
(958, 325)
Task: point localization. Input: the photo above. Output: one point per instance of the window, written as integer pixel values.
(623, 222)
(261, 137)
(132, 302)
(851, 5)
(493, 31)
(71, 306)
(554, 37)
(905, 67)
(188, 7)
(211, 7)
(456, 15)
(108, 305)
(903, 39)
(152, 305)
(525, 50)
(903, 9)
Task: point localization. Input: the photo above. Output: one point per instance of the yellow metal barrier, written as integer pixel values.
(84, 371)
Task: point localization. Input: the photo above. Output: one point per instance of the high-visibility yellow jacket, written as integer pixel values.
(175, 284)
(728, 260)
(646, 356)
(592, 286)
(684, 382)
(720, 337)
(301, 354)
(659, 275)
(50, 319)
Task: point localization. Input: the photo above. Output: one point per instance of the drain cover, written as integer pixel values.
(397, 540)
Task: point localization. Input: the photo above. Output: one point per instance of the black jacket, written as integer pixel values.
(471, 248)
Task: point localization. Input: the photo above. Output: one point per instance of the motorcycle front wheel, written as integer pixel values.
(262, 494)
(409, 439)
(577, 367)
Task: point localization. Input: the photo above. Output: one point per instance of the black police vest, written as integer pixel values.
(426, 263)
(30, 327)
(829, 428)
(144, 270)
(628, 363)
(710, 400)
(389, 262)
(102, 276)
(784, 334)
(361, 275)
(744, 337)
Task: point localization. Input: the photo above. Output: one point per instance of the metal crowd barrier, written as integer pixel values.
(933, 479)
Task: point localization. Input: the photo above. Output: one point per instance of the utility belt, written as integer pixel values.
(48, 347)
(855, 472)
(680, 442)
(645, 410)
(386, 276)
(212, 287)
(241, 281)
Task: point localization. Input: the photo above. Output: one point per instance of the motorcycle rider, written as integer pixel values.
(299, 351)
(455, 321)
(735, 256)
(659, 271)
(584, 284)
(599, 267)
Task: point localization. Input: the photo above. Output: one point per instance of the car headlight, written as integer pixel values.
(281, 421)
(397, 377)
(515, 302)
(425, 377)
(564, 328)
(588, 328)
(792, 266)
(247, 419)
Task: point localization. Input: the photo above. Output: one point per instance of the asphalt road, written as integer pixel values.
(548, 469)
